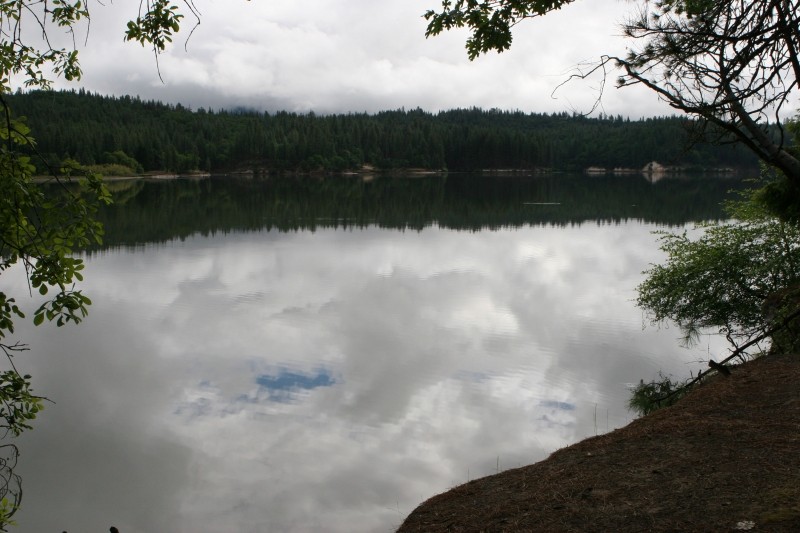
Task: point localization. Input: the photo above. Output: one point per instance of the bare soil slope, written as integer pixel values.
(726, 457)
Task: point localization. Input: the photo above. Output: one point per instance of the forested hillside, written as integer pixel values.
(152, 136)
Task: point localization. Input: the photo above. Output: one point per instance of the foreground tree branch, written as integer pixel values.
(42, 233)
(733, 64)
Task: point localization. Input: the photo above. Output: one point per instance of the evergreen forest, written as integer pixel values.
(123, 134)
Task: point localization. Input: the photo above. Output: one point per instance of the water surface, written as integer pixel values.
(317, 362)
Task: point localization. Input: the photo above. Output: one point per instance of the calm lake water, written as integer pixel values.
(324, 355)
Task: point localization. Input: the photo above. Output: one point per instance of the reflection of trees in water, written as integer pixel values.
(156, 211)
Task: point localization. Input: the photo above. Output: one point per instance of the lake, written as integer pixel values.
(309, 354)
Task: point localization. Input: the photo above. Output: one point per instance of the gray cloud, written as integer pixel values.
(104, 445)
(357, 56)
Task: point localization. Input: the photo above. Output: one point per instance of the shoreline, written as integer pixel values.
(368, 172)
(722, 458)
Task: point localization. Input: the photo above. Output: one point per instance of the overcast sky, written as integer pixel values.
(332, 56)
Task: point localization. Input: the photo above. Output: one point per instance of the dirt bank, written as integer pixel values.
(725, 458)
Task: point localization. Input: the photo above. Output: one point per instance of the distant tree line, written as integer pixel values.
(129, 133)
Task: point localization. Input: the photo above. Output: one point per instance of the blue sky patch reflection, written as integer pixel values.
(564, 406)
(283, 386)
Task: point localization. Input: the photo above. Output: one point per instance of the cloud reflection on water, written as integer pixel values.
(330, 380)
